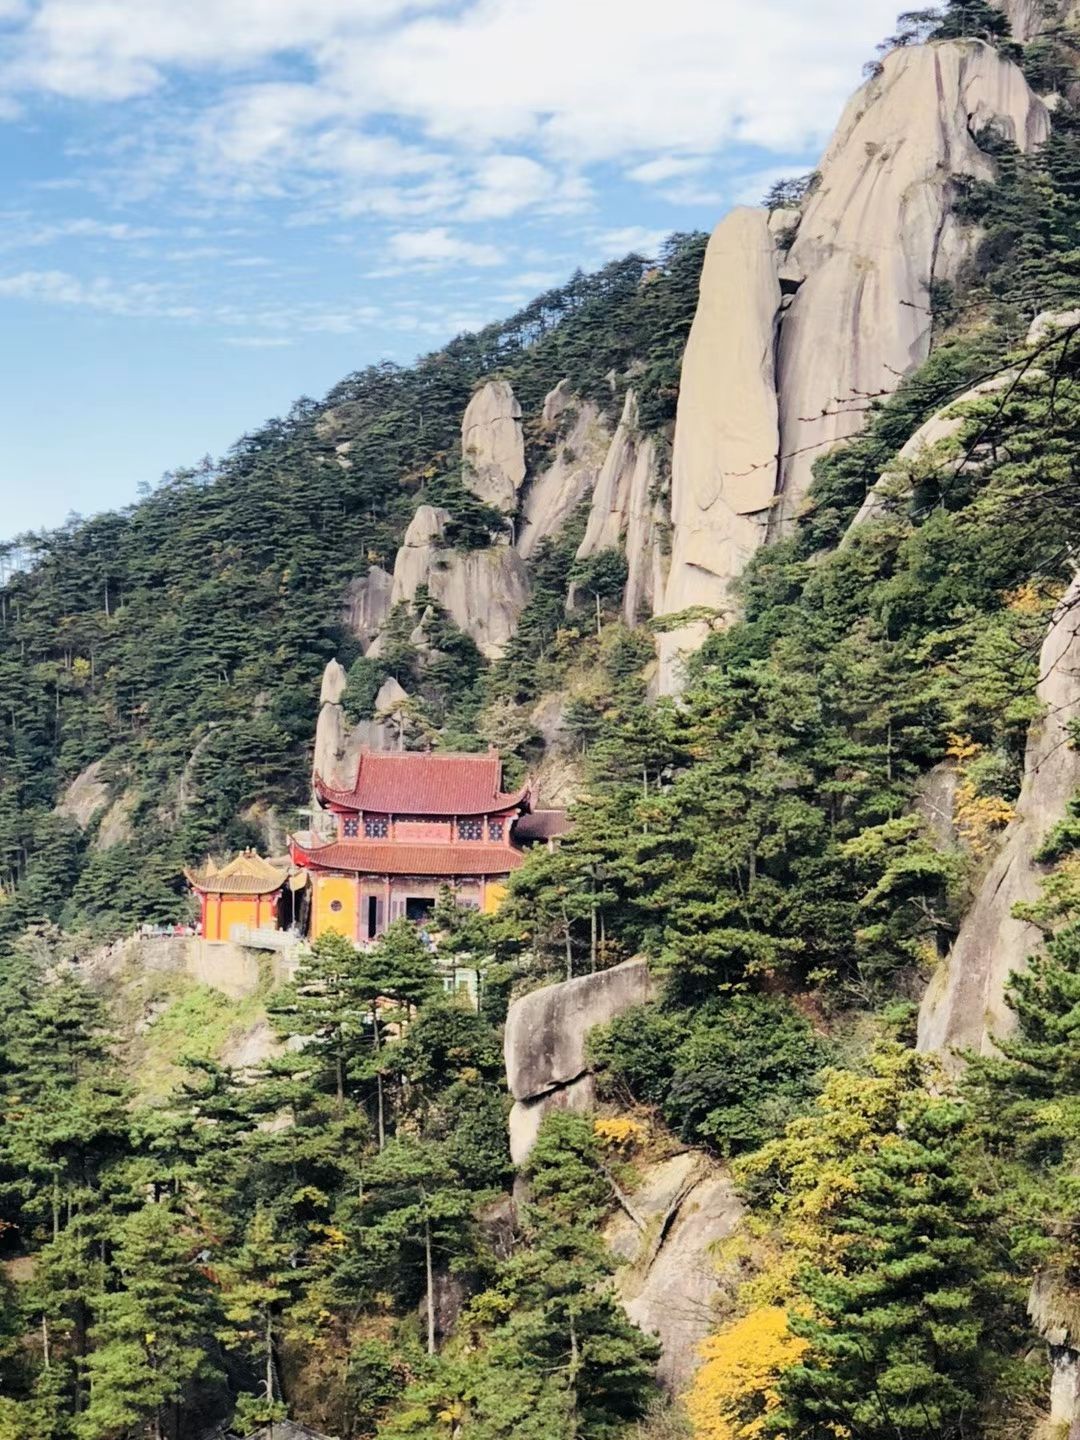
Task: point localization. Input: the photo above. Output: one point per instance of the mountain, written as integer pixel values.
(760, 554)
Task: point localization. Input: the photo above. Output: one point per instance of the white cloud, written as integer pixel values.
(613, 243)
(504, 184)
(58, 287)
(21, 231)
(437, 248)
(653, 92)
(115, 49)
(667, 167)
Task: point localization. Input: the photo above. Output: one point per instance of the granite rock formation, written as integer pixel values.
(964, 1006)
(682, 1208)
(493, 447)
(544, 1044)
(484, 591)
(554, 495)
(723, 474)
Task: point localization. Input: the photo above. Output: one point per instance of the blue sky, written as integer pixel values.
(212, 207)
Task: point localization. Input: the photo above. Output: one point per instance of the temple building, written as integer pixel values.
(412, 824)
(247, 894)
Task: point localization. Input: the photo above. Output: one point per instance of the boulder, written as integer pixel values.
(382, 732)
(493, 446)
(484, 591)
(335, 682)
(85, 796)
(964, 1005)
(554, 495)
(367, 603)
(1047, 321)
(723, 474)
(669, 1286)
(331, 729)
(878, 231)
(544, 1042)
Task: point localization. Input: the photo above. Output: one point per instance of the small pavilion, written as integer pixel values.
(246, 892)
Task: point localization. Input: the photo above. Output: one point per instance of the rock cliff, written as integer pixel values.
(683, 1207)
(964, 1006)
(878, 231)
(1030, 18)
(493, 447)
(723, 473)
(625, 514)
(484, 591)
(544, 1044)
(554, 495)
(367, 603)
(331, 730)
(848, 309)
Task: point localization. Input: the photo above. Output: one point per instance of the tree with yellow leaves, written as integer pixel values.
(734, 1392)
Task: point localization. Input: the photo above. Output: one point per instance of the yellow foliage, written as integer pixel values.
(810, 1168)
(978, 817)
(619, 1131)
(735, 1390)
(962, 748)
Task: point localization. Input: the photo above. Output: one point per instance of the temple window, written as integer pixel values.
(376, 827)
(351, 827)
(470, 829)
(495, 829)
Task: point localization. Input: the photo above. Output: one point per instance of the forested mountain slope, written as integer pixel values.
(882, 651)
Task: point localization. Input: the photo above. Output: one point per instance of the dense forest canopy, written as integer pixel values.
(188, 1242)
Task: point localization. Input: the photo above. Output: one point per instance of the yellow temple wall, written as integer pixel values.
(328, 891)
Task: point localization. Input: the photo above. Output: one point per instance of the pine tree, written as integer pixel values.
(152, 1333)
(905, 1335)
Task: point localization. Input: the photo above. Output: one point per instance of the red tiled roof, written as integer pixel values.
(425, 784)
(381, 857)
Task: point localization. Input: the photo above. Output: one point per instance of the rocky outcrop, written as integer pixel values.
(558, 490)
(893, 487)
(331, 729)
(383, 731)
(86, 795)
(1030, 18)
(556, 402)
(1054, 1309)
(367, 603)
(483, 591)
(723, 475)
(544, 1044)
(493, 447)
(964, 1006)
(625, 514)
(878, 231)
(87, 799)
(682, 1207)
(526, 1116)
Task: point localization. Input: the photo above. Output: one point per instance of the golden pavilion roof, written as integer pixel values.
(247, 874)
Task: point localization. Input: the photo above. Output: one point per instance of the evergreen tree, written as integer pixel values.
(905, 1337)
(151, 1334)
